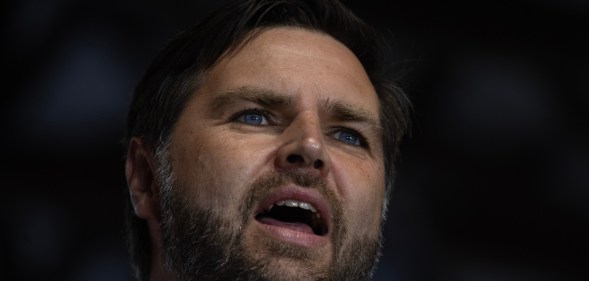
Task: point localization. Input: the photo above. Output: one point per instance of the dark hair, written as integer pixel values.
(175, 73)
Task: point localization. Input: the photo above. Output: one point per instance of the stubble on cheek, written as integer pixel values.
(212, 183)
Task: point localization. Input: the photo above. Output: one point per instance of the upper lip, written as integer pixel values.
(293, 192)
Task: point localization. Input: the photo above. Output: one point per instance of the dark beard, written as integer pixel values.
(198, 244)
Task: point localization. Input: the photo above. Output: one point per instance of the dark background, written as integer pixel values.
(492, 185)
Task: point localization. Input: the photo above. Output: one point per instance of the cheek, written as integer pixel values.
(215, 170)
(201, 166)
(362, 189)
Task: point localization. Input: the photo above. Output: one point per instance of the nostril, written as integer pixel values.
(295, 158)
(298, 159)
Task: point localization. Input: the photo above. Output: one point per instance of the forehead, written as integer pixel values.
(295, 62)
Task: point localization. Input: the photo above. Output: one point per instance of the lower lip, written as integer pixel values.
(299, 235)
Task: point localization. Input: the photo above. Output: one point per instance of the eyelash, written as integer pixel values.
(361, 139)
(269, 118)
(267, 115)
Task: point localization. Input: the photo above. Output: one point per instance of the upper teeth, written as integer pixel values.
(294, 203)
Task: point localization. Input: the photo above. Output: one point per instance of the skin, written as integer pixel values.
(216, 155)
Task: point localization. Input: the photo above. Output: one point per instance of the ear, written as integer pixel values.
(140, 173)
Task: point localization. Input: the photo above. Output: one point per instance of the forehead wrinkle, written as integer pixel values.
(264, 97)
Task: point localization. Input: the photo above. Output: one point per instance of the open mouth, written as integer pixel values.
(295, 215)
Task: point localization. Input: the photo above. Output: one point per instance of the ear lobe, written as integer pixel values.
(140, 174)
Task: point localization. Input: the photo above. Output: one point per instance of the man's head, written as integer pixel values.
(261, 146)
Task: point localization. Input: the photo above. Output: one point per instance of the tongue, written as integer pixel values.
(296, 226)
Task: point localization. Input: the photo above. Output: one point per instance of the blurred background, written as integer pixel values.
(493, 184)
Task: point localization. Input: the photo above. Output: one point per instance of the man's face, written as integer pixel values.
(277, 164)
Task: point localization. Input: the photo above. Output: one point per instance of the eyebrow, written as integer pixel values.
(262, 97)
(338, 110)
(350, 113)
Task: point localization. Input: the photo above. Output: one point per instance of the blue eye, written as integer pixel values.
(348, 137)
(252, 118)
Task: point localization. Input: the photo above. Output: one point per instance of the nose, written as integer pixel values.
(304, 146)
